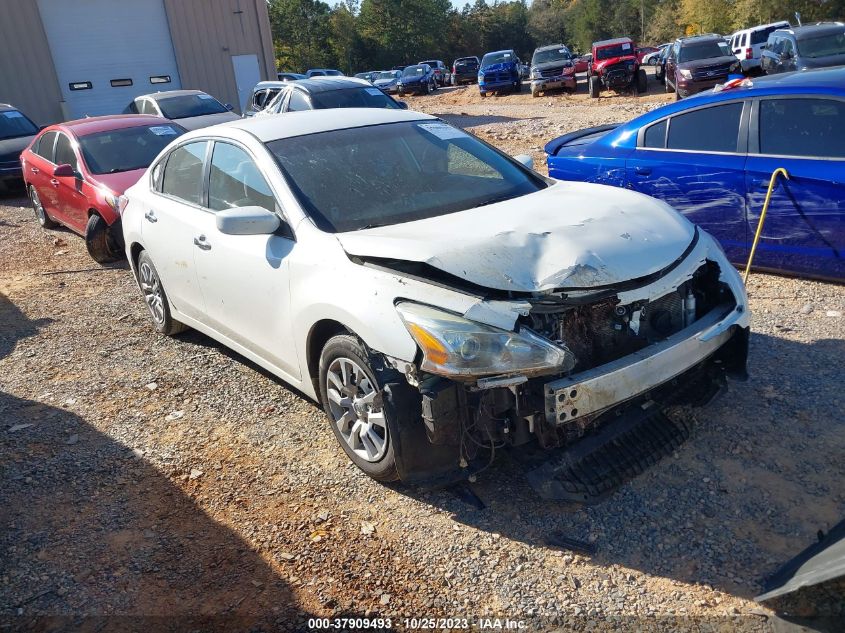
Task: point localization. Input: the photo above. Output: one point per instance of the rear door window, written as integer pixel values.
(45, 145)
(714, 129)
(812, 128)
(183, 172)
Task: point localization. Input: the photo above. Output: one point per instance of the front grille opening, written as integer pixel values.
(606, 330)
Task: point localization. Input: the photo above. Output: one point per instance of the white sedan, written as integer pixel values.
(439, 298)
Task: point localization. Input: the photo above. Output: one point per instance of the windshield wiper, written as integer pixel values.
(374, 225)
(497, 199)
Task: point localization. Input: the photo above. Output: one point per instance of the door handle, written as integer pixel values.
(643, 171)
(35, 170)
(151, 217)
(200, 241)
(54, 182)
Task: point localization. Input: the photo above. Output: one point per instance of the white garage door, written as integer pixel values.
(107, 52)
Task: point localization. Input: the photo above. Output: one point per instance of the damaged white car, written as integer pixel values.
(441, 299)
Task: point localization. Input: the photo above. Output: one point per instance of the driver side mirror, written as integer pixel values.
(229, 106)
(525, 159)
(63, 171)
(247, 221)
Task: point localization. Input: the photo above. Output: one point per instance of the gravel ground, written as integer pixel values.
(143, 475)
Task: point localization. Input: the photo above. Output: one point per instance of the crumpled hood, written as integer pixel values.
(614, 60)
(121, 181)
(571, 235)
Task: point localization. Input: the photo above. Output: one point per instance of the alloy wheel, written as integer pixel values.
(151, 287)
(354, 409)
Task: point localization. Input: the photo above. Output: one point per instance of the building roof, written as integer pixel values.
(289, 124)
(92, 125)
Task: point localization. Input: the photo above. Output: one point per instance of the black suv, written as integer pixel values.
(802, 47)
(695, 64)
(465, 70)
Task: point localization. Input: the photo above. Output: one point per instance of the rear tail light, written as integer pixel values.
(749, 53)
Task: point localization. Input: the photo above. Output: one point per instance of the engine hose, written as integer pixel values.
(780, 171)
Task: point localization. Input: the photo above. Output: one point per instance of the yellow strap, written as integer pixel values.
(772, 181)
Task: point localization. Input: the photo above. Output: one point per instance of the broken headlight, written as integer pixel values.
(454, 346)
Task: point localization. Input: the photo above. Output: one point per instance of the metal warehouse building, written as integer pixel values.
(65, 59)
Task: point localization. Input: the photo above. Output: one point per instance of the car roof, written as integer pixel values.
(504, 50)
(92, 125)
(618, 40)
(7, 107)
(271, 84)
(325, 84)
(549, 47)
(813, 30)
(165, 94)
(760, 27)
(692, 39)
(271, 128)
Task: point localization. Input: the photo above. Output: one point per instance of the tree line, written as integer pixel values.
(378, 34)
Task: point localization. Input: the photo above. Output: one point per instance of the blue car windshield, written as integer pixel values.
(496, 58)
(13, 124)
(413, 71)
(394, 173)
(822, 46)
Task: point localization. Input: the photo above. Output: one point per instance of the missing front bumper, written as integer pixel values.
(593, 391)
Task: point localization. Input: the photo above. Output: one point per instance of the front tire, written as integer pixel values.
(44, 220)
(595, 87)
(102, 245)
(155, 297)
(351, 396)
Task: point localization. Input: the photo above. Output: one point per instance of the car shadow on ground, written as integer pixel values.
(758, 479)
(96, 538)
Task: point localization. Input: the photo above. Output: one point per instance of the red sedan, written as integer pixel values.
(76, 171)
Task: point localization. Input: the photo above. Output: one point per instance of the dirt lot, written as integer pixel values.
(150, 476)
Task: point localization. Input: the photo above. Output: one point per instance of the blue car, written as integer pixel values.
(499, 72)
(711, 157)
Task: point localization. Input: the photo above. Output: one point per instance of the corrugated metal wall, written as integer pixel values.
(207, 33)
(27, 75)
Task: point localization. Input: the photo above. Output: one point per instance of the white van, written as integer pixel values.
(747, 44)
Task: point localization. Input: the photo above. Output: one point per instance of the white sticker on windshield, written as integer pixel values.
(442, 130)
(13, 114)
(626, 47)
(562, 50)
(507, 55)
(373, 91)
(163, 130)
(205, 97)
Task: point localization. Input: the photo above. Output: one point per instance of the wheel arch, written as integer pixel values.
(318, 336)
(135, 252)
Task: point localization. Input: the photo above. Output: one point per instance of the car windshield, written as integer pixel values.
(394, 173)
(413, 71)
(553, 55)
(390, 74)
(187, 106)
(127, 149)
(619, 50)
(823, 45)
(352, 98)
(704, 50)
(14, 124)
(496, 58)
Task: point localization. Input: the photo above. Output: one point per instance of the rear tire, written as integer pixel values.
(155, 298)
(349, 391)
(595, 87)
(44, 220)
(535, 93)
(482, 93)
(102, 245)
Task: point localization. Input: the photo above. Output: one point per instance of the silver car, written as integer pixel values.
(192, 109)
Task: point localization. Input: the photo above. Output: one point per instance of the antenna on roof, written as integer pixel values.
(798, 17)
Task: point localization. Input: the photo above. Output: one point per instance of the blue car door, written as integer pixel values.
(804, 232)
(695, 161)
